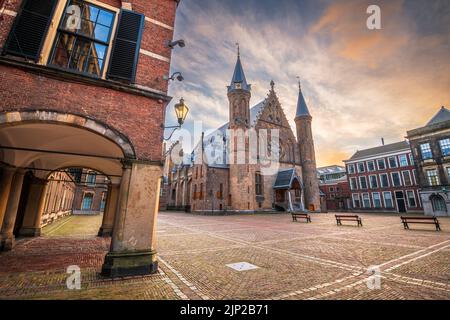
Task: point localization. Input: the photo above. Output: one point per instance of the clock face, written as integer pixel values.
(238, 86)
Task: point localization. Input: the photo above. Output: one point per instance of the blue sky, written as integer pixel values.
(360, 85)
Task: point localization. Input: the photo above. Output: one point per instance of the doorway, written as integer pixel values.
(401, 204)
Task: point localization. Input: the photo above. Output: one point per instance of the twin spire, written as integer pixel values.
(239, 82)
(302, 108)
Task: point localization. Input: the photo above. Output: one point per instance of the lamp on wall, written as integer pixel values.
(181, 111)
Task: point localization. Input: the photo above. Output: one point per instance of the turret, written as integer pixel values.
(303, 122)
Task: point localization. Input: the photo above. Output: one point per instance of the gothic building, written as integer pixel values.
(211, 179)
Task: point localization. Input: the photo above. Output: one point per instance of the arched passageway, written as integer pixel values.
(34, 144)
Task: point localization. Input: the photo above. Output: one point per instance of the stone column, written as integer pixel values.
(5, 187)
(110, 211)
(31, 226)
(133, 240)
(6, 234)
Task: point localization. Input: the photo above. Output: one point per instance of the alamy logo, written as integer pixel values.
(73, 282)
(374, 280)
(73, 21)
(374, 20)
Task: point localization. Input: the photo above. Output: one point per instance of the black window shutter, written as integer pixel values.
(127, 43)
(30, 28)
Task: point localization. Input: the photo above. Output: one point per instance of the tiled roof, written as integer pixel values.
(442, 115)
(388, 148)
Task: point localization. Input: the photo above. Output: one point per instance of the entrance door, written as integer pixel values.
(401, 205)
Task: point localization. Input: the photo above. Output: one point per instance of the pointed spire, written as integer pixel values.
(238, 81)
(302, 108)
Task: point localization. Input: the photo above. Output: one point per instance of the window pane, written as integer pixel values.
(432, 177)
(381, 164)
(105, 18)
(90, 13)
(396, 179)
(407, 178)
(445, 146)
(403, 160)
(425, 150)
(63, 50)
(392, 162)
(101, 33)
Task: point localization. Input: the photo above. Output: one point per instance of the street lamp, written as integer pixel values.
(181, 111)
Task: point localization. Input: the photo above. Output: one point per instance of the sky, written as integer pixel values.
(360, 85)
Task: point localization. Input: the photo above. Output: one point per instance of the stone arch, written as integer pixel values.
(12, 118)
(438, 203)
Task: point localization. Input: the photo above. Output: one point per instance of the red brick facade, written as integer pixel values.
(389, 187)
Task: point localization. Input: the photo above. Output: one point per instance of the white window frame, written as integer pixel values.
(415, 199)
(384, 200)
(364, 168)
(410, 178)
(351, 171)
(400, 161)
(388, 183)
(356, 183)
(411, 158)
(370, 181)
(368, 198)
(373, 200)
(399, 177)
(414, 173)
(389, 162)
(360, 184)
(384, 163)
(374, 166)
(356, 195)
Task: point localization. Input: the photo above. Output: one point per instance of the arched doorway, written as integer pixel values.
(34, 143)
(438, 204)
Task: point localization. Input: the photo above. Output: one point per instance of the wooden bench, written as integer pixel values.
(347, 217)
(424, 220)
(300, 215)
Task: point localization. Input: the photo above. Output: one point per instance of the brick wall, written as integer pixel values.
(136, 116)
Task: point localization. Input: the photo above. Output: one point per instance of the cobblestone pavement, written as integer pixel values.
(317, 260)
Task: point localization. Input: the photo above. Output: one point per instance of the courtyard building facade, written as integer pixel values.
(334, 185)
(212, 180)
(84, 84)
(430, 145)
(91, 192)
(384, 179)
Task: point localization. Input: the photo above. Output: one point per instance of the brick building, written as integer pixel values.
(334, 185)
(59, 198)
(384, 178)
(210, 179)
(91, 191)
(430, 145)
(83, 83)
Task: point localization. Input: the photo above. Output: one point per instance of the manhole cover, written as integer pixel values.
(242, 266)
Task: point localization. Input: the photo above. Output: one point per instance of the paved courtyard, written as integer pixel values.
(318, 260)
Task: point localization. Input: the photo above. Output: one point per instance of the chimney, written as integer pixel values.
(382, 141)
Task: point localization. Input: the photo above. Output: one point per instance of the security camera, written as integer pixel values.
(175, 75)
(173, 44)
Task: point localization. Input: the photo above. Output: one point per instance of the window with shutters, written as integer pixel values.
(83, 38)
(30, 28)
